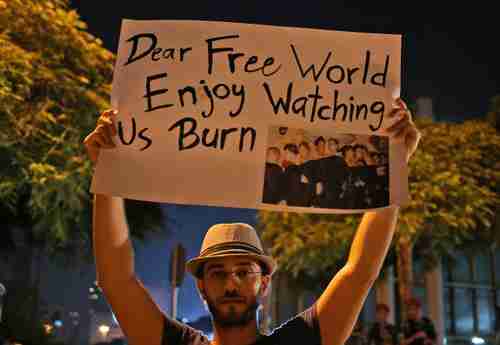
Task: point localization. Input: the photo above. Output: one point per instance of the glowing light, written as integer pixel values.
(477, 340)
(58, 323)
(48, 328)
(184, 319)
(104, 330)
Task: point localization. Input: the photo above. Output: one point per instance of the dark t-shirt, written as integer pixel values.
(412, 327)
(302, 329)
(383, 336)
(273, 184)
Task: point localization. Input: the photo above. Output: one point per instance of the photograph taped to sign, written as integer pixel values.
(198, 103)
(305, 168)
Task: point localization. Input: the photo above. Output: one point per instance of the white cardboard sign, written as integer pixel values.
(254, 116)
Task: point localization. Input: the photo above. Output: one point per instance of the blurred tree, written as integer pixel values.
(55, 78)
(453, 181)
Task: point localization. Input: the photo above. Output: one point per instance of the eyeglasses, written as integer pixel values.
(241, 275)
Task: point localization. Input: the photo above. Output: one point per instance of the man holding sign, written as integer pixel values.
(233, 273)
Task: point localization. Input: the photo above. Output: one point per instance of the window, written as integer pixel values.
(486, 311)
(448, 311)
(471, 288)
(461, 270)
(482, 269)
(464, 314)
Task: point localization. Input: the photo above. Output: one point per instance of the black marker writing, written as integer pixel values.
(142, 135)
(312, 107)
(189, 138)
(250, 64)
(338, 73)
(157, 53)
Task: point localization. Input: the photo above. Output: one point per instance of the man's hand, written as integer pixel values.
(140, 318)
(101, 136)
(404, 128)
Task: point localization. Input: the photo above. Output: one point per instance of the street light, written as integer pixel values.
(477, 340)
(104, 330)
(48, 328)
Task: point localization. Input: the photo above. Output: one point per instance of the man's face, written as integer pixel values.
(320, 147)
(349, 155)
(413, 312)
(303, 151)
(359, 153)
(381, 315)
(273, 156)
(332, 146)
(292, 157)
(232, 288)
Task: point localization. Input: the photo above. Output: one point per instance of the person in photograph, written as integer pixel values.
(332, 174)
(381, 185)
(352, 189)
(362, 156)
(349, 155)
(417, 329)
(333, 147)
(309, 174)
(375, 157)
(273, 177)
(305, 154)
(296, 190)
(320, 147)
(382, 331)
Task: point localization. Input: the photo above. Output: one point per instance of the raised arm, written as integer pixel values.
(140, 318)
(340, 304)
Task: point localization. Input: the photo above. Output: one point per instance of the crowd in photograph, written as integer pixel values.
(326, 173)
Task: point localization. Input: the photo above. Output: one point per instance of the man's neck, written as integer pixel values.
(244, 335)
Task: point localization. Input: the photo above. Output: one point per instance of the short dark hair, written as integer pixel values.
(334, 140)
(318, 139)
(413, 301)
(306, 145)
(273, 148)
(360, 146)
(346, 148)
(292, 148)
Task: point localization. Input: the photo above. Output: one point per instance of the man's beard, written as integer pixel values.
(233, 319)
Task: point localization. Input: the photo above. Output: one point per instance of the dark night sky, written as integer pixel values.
(450, 54)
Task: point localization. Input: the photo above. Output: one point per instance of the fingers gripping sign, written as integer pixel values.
(102, 136)
(404, 128)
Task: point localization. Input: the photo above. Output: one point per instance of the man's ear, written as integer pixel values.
(201, 288)
(265, 285)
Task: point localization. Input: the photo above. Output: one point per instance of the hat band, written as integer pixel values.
(235, 245)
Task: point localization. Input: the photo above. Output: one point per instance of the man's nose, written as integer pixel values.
(231, 282)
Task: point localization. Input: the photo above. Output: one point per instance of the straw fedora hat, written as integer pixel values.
(232, 239)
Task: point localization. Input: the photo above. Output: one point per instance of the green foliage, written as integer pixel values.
(55, 78)
(453, 182)
(307, 246)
